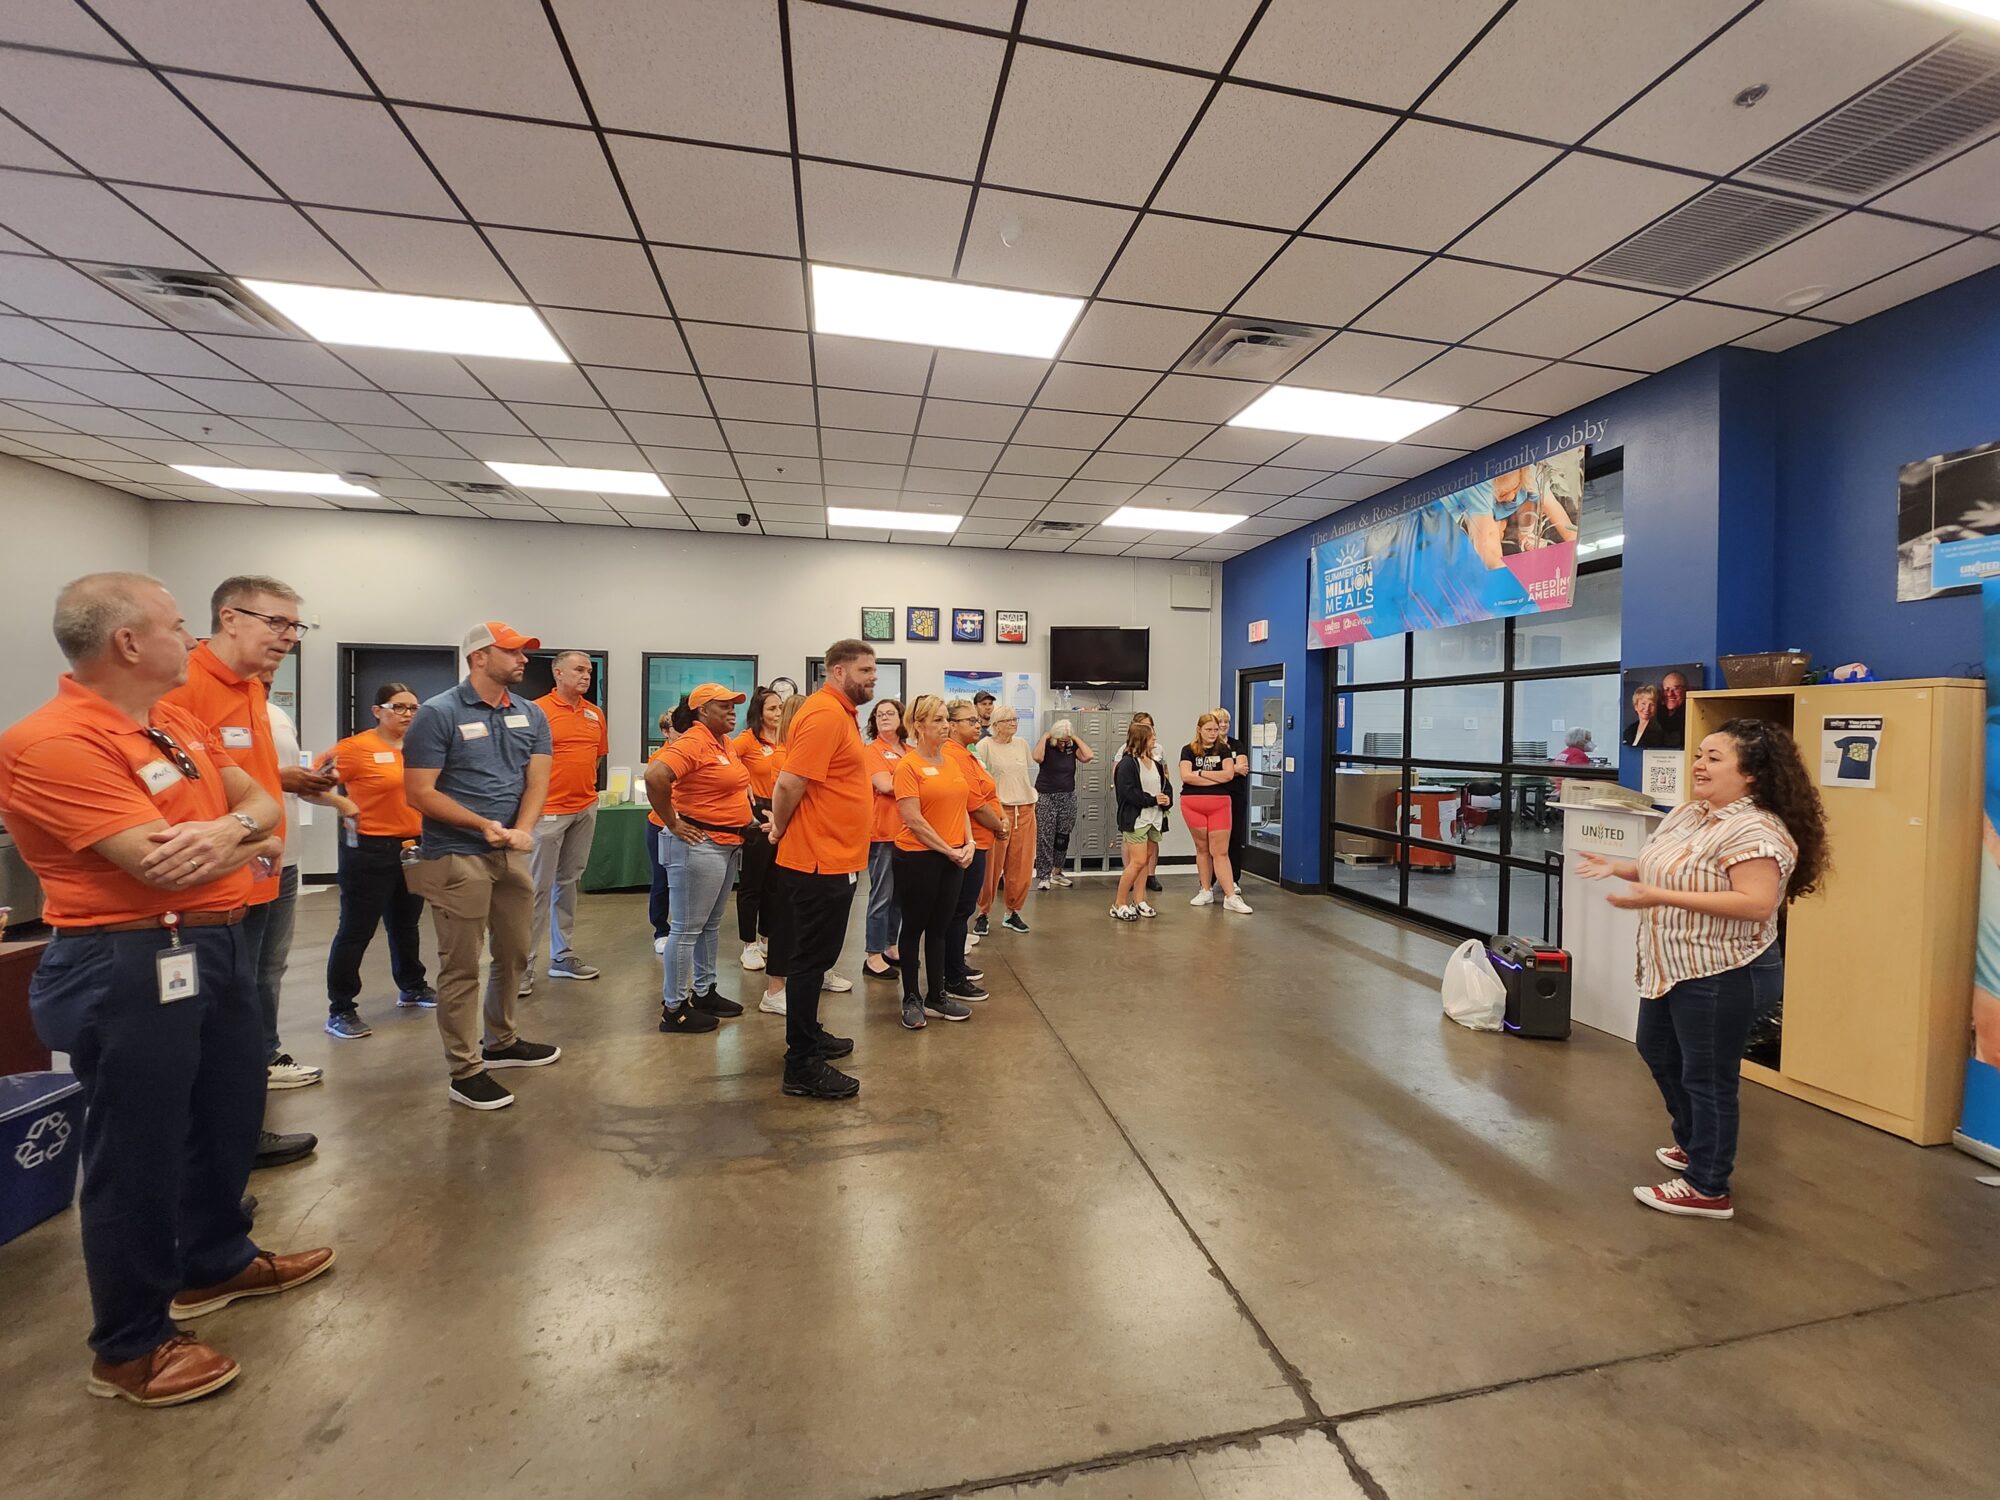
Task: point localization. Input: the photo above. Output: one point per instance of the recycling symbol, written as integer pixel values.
(44, 1142)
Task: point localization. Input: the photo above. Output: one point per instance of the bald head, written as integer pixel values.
(90, 611)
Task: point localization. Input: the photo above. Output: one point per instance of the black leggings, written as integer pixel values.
(754, 882)
(927, 887)
(373, 894)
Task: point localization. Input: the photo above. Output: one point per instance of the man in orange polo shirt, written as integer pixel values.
(822, 811)
(147, 841)
(580, 741)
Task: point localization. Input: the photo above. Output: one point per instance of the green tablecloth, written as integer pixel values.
(618, 852)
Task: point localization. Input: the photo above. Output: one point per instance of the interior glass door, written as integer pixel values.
(1261, 715)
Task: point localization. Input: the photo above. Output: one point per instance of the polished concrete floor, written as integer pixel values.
(1203, 1207)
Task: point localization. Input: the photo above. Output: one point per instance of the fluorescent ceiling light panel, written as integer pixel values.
(1382, 419)
(1139, 517)
(395, 320)
(942, 314)
(593, 481)
(274, 481)
(891, 520)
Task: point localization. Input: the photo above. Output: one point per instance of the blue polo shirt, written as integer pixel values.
(481, 755)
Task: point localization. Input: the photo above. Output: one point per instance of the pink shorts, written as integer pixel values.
(1206, 814)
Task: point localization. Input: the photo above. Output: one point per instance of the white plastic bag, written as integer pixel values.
(1473, 994)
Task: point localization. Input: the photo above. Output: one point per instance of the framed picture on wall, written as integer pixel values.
(878, 623)
(968, 624)
(1010, 627)
(920, 622)
(1655, 708)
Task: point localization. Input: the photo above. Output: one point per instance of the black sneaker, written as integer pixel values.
(1013, 923)
(892, 972)
(521, 1055)
(975, 975)
(913, 1014)
(710, 1003)
(831, 1046)
(965, 991)
(274, 1150)
(480, 1091)
(981, 925)
(947, 1009)
(1153, 883)
(348, 1025)
(686, 1020)
(815, 1080)
(423, 999)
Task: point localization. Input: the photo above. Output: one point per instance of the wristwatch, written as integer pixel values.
(250, 825)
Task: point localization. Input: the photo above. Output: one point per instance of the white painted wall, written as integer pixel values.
(411, 580)
(54, 527)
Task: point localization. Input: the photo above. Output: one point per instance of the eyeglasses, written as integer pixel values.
(278, 623)
(183, 762)
(962, 719)
(401, 708)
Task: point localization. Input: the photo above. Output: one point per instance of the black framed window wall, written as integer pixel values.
(1451, 748)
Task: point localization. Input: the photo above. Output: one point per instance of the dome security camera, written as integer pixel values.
(743, 518)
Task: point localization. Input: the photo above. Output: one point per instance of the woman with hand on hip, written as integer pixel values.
(1008, 761)
(933, 852)
(762, 756)
(1708, 886)
(1144, 795)
(1057, 755)
(887, 743)
(1208, 773)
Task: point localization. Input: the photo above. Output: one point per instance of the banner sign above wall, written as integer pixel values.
(1503, 546)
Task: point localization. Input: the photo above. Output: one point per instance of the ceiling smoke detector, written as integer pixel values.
(194, 301)
(1250, 348)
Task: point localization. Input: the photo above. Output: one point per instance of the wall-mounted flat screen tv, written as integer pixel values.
(1099, 656)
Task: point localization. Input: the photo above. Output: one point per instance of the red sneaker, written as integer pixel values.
(1677, 1197)
(1672, 1158)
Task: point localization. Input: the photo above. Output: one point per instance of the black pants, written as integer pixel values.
(173, 1100)
(928, 887)
(753, 885)
(656, 901)
(817, 907)
(956, 968)
(373, 893)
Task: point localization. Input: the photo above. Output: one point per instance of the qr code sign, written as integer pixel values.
(44, 1141)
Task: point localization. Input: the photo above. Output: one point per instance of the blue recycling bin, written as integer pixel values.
(41, 1142)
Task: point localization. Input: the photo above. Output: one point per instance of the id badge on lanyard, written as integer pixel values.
(179, 975)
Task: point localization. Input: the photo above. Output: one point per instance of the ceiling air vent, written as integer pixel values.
(1697, 242)
(1250, 348)
(477, 487)
(194, 301)
(1942, 100)
(1058, 528)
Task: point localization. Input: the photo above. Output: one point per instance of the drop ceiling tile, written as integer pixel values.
(1202, 474)
(27, 418)
(1057, 246)
(1598, 203)
(120, 388)
(55, 23)
(584, 454)
(1963, 259)
(1148, 338)
(870, 365)
(347, 406)
(763, 401)
(1364, 363)
(448, 470)
(774, 474)
(407, 442)
(866, 447)
(1063, 510)
(1065, 429)
(987, 527)
(497, 55)
(1095, 388)
(594, 338)
(1326, 452)
(1198, 36)
(592, 423)
(679, 432)
(1350, 487)
(1097, 492)
(1447, 299)
(880, 221)
(459, 414)
(1785, 333)
(690, 463)
(1812, 53)
(952, 453)
(1143, 435)
(1561, 387)
(196, 427)
(250, 237)
(605, 517)
(1964, 190)
(422, 256)
(1242, 445)
(49, 289)
(532, 380)
(687, 194)
(804, 514)
(1325, 283)
(1384, 51)
(1180, 497)
(321, 148)
(75, 217)
(868, 410)
(166, 450)
(895, 93)
(968, 419)
(1567, 316)
(1427, 183)
(1407, 460)
(711, 287)
(1157, 549)
(1260, 157)
(504, 448)
(285, 360)
(1022, 458)
(1040, 544)
(1015, 497)
(1186, 263)
(769, 437)
(248, 38)
(1197, 398)
(1463, 376)
(649, 391)
(1474, 428)
(1271, 479)
(1132, 118)
(603, 275)
(511, 172)
(20, 149)
(962, 375)
(665, 521)
(301, 435)
(1852, 249)
(710, 69)
(749, 353)
(1674, 333)
(953, 482)
(401, 370)
(19, 384)
(120, 122)
(83, 447)
(849, 474)
(785, 528)
(1125, 468)
(23, 340)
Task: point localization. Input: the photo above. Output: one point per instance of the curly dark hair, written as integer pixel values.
(1781, 785)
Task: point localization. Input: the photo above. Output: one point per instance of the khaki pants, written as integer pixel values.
(562, 849)
(470, 895)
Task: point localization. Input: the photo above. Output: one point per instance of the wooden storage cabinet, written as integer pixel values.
(1878, 964)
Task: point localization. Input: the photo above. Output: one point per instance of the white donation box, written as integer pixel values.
(1602, 939)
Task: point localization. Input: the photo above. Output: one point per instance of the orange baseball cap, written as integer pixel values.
(494, 633)
(712, 692)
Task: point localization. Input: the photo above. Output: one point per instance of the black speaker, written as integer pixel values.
(1536, 978)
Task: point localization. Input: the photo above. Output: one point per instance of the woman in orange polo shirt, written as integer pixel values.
(933, 849)
(701, 793)
(763, 757)
(372, 889)
(887, 745)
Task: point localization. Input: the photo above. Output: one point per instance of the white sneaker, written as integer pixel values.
(1203, 897)
(764, 943)
(836, 984)
(659, 945)
(1043, 885)
(772, 1005)
(1061, 879)
(283, 1073)
(1236, 903)
(1125, 913)
(1145, 909)
(753, 957)
(971, 941)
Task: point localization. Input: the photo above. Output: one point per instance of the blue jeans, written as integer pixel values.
(1692, 1038)
(268, 930)
(884, 919)
(698, 881)
(656, 900)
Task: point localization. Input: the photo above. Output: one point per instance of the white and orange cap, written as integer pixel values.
(494, 633)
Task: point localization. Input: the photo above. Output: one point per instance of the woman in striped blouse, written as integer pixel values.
(1709, 885)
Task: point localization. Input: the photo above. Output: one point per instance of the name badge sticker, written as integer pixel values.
(516, 721)
(472, 731)
(590, 714)
(180, 979)
(235, 737)
(722, 760)
(929, 770)
(385, 757)
(158, 776)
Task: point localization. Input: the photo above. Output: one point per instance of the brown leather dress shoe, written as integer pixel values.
(264, 1275)
(181, 1369)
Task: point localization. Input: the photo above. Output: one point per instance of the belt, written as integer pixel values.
(181, 919)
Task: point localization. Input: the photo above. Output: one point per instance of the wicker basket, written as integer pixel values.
(1766, 669)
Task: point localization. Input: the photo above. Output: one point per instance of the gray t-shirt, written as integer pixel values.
(481, 754)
